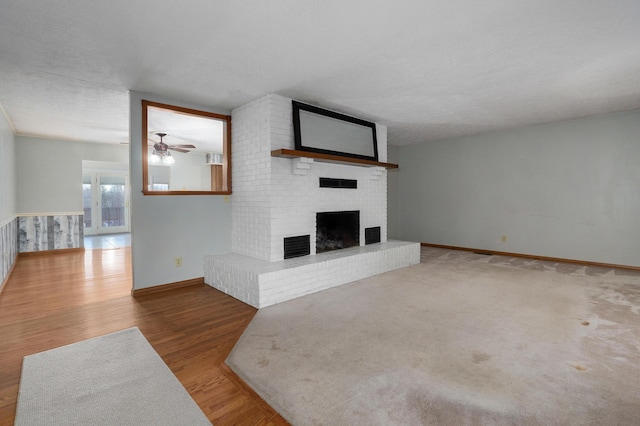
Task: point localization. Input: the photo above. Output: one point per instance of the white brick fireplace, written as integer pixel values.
(275, 198)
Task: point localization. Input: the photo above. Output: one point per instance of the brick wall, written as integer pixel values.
(274, 198)
(250, 227)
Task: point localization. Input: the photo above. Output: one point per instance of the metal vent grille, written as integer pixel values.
(372, 235)
(338, 183)
(297, 246)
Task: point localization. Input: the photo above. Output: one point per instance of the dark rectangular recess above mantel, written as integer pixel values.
(327, 158)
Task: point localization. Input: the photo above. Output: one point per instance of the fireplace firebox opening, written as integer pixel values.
(337, 230)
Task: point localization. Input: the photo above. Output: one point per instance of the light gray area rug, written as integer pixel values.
(115, 379)
(460, 339)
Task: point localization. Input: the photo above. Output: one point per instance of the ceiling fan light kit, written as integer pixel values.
(165, 158)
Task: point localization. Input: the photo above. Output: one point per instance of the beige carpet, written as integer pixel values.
(115, 379)
(460, 339)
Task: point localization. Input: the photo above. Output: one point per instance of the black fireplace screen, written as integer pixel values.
(337, 230)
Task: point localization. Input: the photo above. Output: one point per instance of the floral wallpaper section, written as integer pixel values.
(8, 247)
(38, 233)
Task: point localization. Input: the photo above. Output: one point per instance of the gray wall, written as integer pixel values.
(167, 226)
(8, 198)
(568, 189)
(50, 172)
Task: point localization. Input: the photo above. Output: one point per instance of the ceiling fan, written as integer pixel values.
(162, 147)
(161, 150)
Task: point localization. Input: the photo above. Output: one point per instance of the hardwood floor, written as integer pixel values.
(56, 299)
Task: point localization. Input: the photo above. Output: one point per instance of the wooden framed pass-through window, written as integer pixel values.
(185, 151)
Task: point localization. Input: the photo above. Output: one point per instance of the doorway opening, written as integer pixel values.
(105, 199)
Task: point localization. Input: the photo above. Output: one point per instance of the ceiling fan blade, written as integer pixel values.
(184, 146)
(173, 148)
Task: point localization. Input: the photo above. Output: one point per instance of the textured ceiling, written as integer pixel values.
(428, 69)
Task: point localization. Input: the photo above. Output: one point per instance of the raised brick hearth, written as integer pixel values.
(276, 198)
(260, 283)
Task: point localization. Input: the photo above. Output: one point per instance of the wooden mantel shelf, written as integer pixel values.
(327, 158)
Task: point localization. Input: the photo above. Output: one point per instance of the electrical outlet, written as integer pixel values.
(504, 238)
(226, 198)
(178, 262)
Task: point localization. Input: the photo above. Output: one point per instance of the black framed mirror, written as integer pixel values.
(329, 132)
